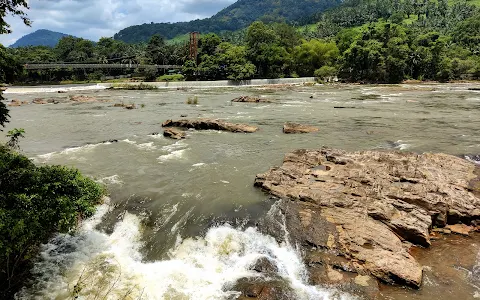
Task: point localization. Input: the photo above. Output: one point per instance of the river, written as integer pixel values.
(180, 222)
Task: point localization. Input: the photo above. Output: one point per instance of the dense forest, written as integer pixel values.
(236, 16)
(383, 41)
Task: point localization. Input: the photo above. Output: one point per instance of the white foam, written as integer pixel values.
(199, 165)
(114, 179)
(34, 90)
(178, 154)
(147, 146)
(129, 142)
(71, 152)
(178, 145)
(94, 264)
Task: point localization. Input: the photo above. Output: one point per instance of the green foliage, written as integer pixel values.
(3, 112)
(312, 55)
(325, 72)
(134, 87)
(72, 49)
(15, 8)
(265, 52)
(192, 100)
(171, 77)
(35, 203)
(236, 16)
(14, 135)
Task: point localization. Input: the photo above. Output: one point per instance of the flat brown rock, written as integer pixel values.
(369, 207)
(290, 128)
(210, 124)
(39, 101)
(251, 99)
(83, 98)
(174, 133)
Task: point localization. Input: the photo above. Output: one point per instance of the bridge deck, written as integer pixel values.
(96, 66)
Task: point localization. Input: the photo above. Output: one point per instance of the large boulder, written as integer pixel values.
(370, 207)
(213, 124)
(298, 128)
(251, 99)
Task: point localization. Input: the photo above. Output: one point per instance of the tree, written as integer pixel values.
(233, 62)
(155, 52)
(7, 7)
(312, 55)
(12, 7)
(264, 51)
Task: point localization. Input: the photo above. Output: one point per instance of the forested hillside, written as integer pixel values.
(237, 16)
(376, 41)
(40, 37)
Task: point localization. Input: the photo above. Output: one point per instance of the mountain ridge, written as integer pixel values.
(41, 37)
(236, 16)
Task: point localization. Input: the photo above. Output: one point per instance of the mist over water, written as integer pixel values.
(182, 215)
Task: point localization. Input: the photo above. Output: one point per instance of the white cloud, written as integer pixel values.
(93, 19)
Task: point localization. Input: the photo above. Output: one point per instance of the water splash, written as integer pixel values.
(93, 264)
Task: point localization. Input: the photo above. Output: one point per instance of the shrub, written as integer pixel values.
(135, 87)
(35, 203)
(14, 135)
(325, 72)
(192, 100)
(173, 77)
(3, 112)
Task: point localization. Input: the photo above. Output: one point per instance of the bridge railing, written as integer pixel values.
(96, 66)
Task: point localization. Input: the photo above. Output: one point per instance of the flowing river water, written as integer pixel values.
(180, 219)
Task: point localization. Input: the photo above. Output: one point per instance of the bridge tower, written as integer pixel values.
(194, 36)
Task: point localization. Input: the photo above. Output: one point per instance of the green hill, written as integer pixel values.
(236, 16)
(40, 37)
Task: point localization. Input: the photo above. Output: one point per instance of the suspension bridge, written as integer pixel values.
(97, 66)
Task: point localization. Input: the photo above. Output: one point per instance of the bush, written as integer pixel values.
(35, 203)
(136, 87)
(173, 77)
(192, 100)
(3, 112)
(325, 72)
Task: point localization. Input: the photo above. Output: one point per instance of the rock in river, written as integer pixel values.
(361, 212)
(174, 133)
(213, 124)
(298, 128)
(251, 99)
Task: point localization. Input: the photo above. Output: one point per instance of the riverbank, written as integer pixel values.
(159, 85)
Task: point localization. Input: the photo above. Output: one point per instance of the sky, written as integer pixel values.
(93, 19)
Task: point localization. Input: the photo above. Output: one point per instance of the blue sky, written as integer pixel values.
(93, 19)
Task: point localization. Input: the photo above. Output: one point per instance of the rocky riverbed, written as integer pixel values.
(363, 212)
(185, 220)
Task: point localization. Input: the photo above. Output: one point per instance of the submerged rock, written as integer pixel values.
(298, 128)
(206, 124)
(39, 101)
(251, 99)
(174, 133)
(370, 207)
(264, 265)
(16, 102)
(82, 98)
(262, 288)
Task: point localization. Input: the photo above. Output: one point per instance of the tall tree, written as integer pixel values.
(12, 7)
(9, 7)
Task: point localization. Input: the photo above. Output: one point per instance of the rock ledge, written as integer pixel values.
(362, 211)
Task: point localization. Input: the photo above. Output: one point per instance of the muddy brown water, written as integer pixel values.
(181, 189)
